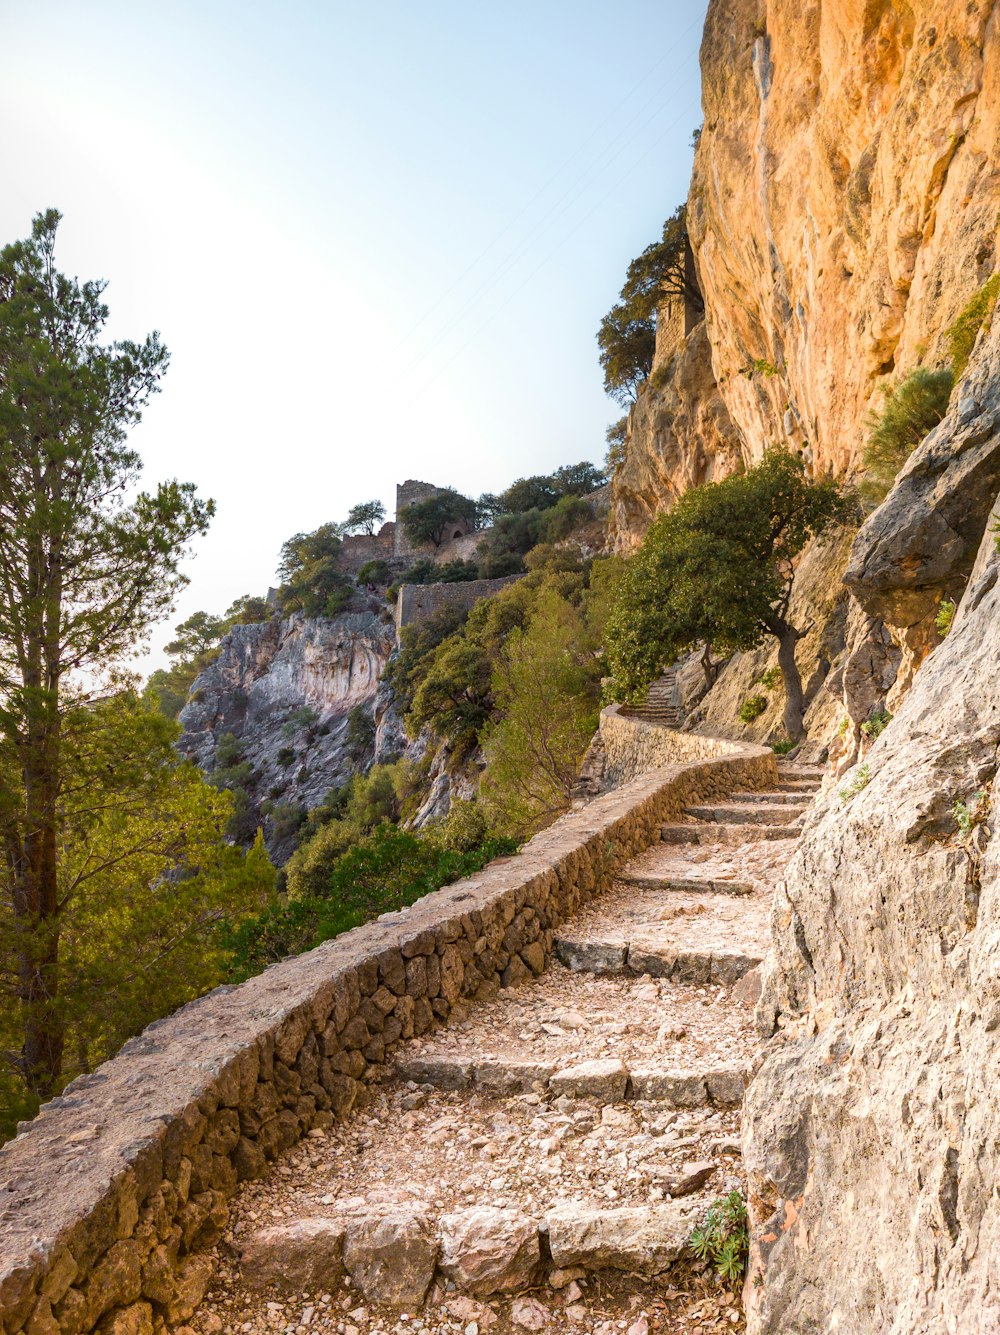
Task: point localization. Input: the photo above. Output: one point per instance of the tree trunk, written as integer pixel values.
(709, 668)
(788, 638)
(36, 910)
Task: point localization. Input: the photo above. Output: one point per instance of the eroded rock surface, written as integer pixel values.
(870, 1132)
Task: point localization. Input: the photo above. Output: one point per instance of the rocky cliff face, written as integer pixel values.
(285, 689)
(843, 210)
(680, 436)
(871, 1126)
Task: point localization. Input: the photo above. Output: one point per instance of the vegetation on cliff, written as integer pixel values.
(912, 408)
(627, 336)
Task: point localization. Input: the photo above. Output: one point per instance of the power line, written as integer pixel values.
(496, 311)
(541, 191)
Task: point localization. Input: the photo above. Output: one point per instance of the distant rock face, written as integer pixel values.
(844, 202)
(870, 1130)
(285, 689)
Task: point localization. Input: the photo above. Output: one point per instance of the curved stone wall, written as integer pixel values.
(633, 746)
(109, 1198)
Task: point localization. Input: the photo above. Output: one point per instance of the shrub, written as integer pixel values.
(912, 408)
(972, 813)
(723, 1238)
(287, 818)
(387, 870)
(770, 678)
(783, 747)
(360, 731)
(752, 708)
(861, 780)
(876, 725)
(303, 717)
(374, 572)
(286, 755)
(945, 616)
(963, 333)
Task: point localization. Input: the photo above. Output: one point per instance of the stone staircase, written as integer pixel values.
(540, 1163)
(662, 704)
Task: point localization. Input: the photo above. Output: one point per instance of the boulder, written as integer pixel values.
(391, 1257)
(487, 1251)
(300, 1256)
(643, 1239)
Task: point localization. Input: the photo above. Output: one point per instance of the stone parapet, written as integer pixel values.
(417, 602)
(633, 746)
(110, 1197)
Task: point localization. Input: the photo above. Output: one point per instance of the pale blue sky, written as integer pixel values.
(378, 239)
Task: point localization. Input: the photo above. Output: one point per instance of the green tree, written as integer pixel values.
(311, 579)
(145, 880)
(627, 335)
(375, 572)
(247, 610)
(199, 633)
(718, 571)
(430, 520)
(364, 518)
(546, 690)
(87, 564)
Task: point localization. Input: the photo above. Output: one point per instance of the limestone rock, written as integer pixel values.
(874, 1114)
(391, 1257)
(645, 1239)
(488, 1250)
(603, 1078)
(263, 678)
(920, 544)
(303, 1255)
(529, 1314)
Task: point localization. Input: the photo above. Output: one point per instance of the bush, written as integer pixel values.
(912, 408)
(875, 726)
(375, 572)
(360, 731)
(752, 708)
(945, 616)
(286, 755)
(723, 1238)
(303, 717)
(782, 747)
(963, 333)
(386, 870)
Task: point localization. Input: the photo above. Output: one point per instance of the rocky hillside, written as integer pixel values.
(278, 700)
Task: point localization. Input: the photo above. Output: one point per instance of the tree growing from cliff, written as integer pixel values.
(627, 335)
(364, 518)
(430, 520)
(86, 565)
(718, 571)
(311, 579)
(912, 408)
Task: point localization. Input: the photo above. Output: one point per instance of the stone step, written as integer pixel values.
(601, 1081)
(779, 797)
(749, 812)
(684, 966)
(794, 771)
(394, 1253)
(715, 833)
(694, 885)
(797, 786)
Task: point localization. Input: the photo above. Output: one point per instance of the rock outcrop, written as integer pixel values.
(285, 689)
(870, 1129)
(920, 544)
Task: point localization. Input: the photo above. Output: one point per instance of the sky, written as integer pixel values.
(378, 240)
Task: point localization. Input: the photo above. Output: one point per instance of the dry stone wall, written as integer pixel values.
(110, 1197)
(633, 746)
